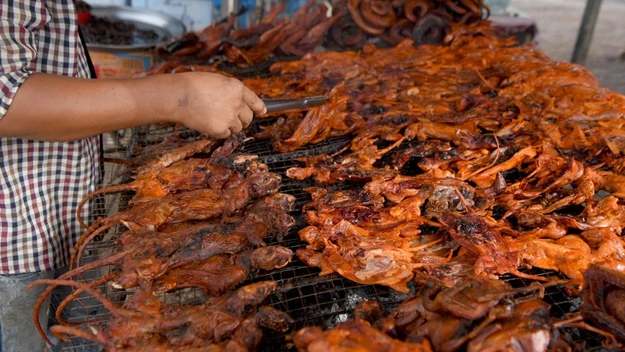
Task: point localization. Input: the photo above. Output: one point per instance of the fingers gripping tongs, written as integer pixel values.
(276, 105)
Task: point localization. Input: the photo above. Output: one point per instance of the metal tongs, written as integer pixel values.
(276, 105)
(176, 44)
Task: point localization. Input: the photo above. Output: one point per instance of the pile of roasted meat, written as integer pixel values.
(465, 164)
(479, 314)
(473, 154)
(473, 158)
(197, 220)
(352, 24)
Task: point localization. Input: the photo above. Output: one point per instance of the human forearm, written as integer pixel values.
(55, 108)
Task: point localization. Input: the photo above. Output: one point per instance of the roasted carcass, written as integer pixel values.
(603, 296)
(158, 262)
(198, 221)
(353, 335)
(478, 314)
(519, 170)
(228, 323)
(201, 204)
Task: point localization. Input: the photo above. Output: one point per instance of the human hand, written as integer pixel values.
(215, 105)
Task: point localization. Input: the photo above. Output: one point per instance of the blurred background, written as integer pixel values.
(557, 23)
(195, 14)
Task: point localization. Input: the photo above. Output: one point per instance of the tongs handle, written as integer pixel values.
(275, 105)
(176, 44)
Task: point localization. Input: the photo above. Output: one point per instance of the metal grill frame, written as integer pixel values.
(309, 298)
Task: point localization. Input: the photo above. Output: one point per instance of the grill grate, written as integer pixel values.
(302, 293)
(149, 135)
(561, 305)
(267, 154)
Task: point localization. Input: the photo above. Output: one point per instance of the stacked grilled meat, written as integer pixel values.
(477, 314)
(466, 162)
(351, 25)
(516, 160)
(197, 220)
(480, 314)
(473, 158)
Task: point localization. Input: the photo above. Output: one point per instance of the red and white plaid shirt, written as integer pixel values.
(41, 183)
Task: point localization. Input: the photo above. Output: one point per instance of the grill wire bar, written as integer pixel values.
(302, 293)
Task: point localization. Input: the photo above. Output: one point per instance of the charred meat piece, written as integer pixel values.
(603, 296)
(220, 274)
(353, 335)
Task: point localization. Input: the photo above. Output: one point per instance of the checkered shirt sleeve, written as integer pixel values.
(18, 35)
(41, 183)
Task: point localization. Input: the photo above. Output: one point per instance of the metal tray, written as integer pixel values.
(164, 25)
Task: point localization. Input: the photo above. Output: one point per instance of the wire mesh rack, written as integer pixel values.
(267, 154)
(562, 305)
(86, 307)
(148, 135)
(310, 299)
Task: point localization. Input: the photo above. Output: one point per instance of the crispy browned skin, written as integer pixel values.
(171, 170)
(144, 323)
(222, 273)
(353, 234)
(510, 165)
(603, 296)
(352, 336)
(214, 209)
(478, 314)
(472, 160)
(200, 204)
(147, 256)
(357, 235)
(473, 82)
(494, 149)
(184, 175)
